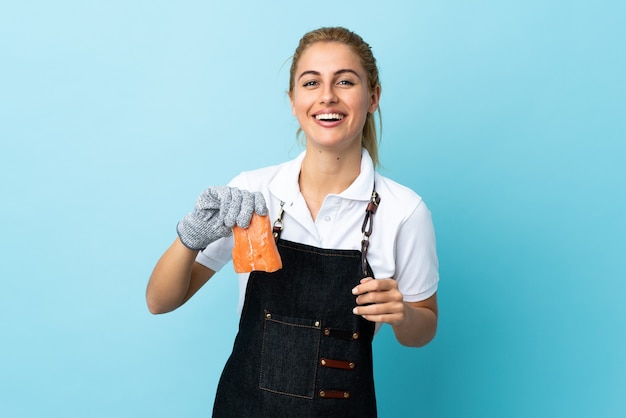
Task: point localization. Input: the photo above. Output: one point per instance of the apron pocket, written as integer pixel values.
(289, 355)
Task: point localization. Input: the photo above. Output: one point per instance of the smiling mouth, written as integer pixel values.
(329, 117)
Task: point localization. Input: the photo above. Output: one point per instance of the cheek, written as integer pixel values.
(300, 108)
(296, 110)
(296, 105)
(364, 106)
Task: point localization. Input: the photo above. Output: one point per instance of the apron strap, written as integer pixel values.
(367, 229)
(278, 223)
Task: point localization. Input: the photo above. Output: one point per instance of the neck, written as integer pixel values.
(325, 173)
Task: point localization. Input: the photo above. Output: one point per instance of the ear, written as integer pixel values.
(374, 99)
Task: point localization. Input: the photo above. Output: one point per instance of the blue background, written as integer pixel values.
(508, 117)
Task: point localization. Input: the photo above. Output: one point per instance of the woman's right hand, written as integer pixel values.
(216, 212)
(177, 276)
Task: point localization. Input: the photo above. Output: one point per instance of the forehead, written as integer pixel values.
(329, 56)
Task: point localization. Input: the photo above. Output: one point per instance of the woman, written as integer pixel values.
(304, 341)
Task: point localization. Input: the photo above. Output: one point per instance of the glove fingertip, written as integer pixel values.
(230, 222)
(245, 217)
(260, 206)
(243, 223)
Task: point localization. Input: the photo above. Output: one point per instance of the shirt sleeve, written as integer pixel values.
(217, 254)
(417, 265)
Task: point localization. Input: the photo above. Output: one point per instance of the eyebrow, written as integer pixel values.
(338, 72)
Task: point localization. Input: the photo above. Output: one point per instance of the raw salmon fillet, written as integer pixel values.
(255, 248)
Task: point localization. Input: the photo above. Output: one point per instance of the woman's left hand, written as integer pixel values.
(379, 300)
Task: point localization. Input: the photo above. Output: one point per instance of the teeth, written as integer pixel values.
(329, 116)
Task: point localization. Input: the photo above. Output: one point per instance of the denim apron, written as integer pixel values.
(300, 351)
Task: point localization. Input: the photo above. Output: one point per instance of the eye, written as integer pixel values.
(311, 83)
(345, 83)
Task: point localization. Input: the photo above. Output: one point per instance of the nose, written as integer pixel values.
(328, 95)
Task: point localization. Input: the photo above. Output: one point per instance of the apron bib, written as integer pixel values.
(300, 351)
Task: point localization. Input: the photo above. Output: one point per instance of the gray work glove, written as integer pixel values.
(217, 210)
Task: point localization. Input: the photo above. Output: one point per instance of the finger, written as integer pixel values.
(369, 284)
(360, 288)
(388, 313)
(260, 206)
(209, 199)
(231, 205)
(381, 285)
(247, 207)
(223, 196)
(381, 310)
(378, 308)
(386, 319)
(379, 297)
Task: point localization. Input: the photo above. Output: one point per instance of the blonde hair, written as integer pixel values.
(369, 139)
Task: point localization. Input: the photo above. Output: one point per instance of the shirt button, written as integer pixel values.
(327, 218)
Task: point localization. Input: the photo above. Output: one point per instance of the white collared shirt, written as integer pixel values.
(402, 245)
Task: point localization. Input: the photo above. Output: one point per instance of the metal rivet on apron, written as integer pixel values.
(355, 336)
(346, 395)
(317, 324)
(268, 315)
(351, 365)
(327, 331)
(322, 393)
(323, 362)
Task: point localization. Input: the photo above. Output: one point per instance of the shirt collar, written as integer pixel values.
(361, 188)
(285, 186)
